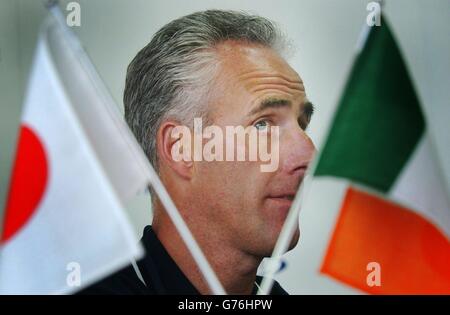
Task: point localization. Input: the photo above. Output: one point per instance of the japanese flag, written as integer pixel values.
(76, 164)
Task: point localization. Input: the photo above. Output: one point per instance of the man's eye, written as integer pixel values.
(261, 125)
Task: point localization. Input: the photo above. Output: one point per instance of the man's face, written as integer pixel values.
(243, 205)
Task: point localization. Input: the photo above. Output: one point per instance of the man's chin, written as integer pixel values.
(292, 244)
(294, 240)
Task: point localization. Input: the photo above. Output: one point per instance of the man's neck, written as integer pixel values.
(235, 269)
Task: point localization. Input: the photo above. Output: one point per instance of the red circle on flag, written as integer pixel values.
(28, 182)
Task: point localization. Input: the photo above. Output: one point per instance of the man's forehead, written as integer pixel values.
(249, 74)
(246, 61)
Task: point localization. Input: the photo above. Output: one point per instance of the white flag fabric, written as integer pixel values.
(76, 164)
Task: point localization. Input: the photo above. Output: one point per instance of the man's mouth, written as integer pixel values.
(289, 197)
(282, 200)
(285, 196)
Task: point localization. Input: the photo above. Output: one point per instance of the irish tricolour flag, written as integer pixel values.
(396, 212)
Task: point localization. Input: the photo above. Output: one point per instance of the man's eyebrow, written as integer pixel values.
(270, 103)
(308, 107)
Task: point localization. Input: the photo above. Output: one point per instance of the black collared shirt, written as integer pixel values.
(159, 271)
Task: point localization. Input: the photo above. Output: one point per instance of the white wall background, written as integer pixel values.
(325, 33)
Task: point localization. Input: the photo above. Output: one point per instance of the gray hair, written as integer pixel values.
(169, 78)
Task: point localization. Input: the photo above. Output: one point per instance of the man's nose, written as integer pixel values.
(298, 151)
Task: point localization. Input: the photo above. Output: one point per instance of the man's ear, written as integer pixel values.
(173, 145)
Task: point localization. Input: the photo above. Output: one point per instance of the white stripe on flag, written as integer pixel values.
(421, 188)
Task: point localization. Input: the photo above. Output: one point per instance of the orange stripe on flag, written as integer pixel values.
(413, 255)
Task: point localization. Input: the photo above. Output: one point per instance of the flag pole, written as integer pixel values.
(291, 221)
(197, 254)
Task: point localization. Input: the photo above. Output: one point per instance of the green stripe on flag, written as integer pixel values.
(378, 122)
